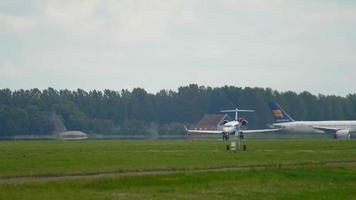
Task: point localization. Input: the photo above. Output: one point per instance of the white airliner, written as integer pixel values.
(234, 127)
(338, 129)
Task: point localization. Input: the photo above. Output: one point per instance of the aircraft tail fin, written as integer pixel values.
(279, 115)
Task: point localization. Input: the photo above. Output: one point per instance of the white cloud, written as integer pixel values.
(166, 43)
(16, 23)
(126, 21)
(137, 20)
(8, 69)
(72, 15)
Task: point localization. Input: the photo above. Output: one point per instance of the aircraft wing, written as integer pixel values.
(204, 131)
(327, 129)
(260, 130)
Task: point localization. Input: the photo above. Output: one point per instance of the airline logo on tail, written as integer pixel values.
(279, 114)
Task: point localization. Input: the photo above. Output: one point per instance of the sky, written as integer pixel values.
(297, 45)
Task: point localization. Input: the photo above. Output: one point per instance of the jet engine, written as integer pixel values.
(342, 134)
(243, 121)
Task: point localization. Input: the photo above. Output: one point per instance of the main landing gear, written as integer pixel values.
(233, 147)
(225, 136)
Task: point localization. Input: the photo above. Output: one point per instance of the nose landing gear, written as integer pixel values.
(225, 136)
(233, 147)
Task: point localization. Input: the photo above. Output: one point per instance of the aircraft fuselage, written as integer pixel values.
(309, 126)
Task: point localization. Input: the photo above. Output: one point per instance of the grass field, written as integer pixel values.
(291, 183)
(43, 158)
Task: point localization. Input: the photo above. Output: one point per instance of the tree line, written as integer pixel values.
(25, 112)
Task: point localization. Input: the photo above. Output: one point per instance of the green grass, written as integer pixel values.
(318, 182)
(30, 158)
(40, 158)
(34, 158)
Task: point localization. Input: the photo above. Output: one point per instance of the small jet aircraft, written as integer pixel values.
(234, 127)
(338, 129)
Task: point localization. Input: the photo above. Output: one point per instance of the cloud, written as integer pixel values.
(138, 21)
(126, 21)
(254, 3)
(9, 70)
(72, 15)
(16, 23)
(166, 43)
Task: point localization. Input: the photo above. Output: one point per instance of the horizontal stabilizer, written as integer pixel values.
(236, 110)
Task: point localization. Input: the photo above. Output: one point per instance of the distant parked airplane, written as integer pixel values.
(233, 127)
(338, 129)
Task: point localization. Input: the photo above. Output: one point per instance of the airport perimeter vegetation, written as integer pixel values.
(181, 169)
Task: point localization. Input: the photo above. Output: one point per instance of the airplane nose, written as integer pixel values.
(228, 130)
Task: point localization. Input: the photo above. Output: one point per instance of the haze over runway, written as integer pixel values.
(98, 44)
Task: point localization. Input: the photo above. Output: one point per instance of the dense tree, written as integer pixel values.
(132, 127)
(130, 112)
(74, 118)
(172, 129)
(14, 121)
(39, 123)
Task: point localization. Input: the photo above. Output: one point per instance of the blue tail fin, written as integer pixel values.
(279, 115)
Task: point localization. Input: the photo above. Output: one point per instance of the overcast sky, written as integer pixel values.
(121, 44)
